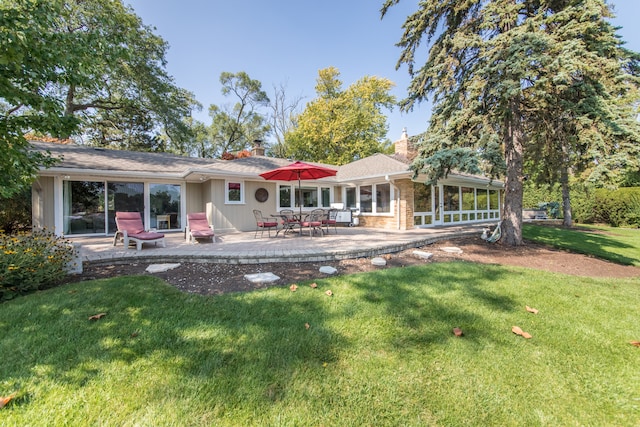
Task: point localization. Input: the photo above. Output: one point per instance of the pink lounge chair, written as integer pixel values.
(198, 228)
(131, 231)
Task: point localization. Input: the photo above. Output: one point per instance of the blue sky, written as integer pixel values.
(286, 42)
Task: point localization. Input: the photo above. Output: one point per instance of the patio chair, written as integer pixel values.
(289, 220)
(198, 228)
(131, 231)
(313, 222)
(264, 223)
(330, 220)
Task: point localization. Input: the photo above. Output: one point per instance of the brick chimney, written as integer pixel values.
(405, 148)
(258, 149)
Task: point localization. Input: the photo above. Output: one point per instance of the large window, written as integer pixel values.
(326, 197)
(285, 196)
(83, 207)
(309, 197)
(89, 207)
(234, 192)
(366, 198)
(165, 206)
(422, 197)
(494, 197)
(124, 197)
(312, 197)
(468, 198)
(451, 198)
(350, 197)
(383, 198)
(483, 200)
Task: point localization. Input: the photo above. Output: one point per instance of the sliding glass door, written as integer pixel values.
(83, 207)
(165, 206)
(89, 207)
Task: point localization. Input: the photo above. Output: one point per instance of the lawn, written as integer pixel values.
(378, 351)
(619, 245)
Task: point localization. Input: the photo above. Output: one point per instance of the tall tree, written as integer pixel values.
(585, 113)
(81, 67)
(31, 57)
(234, 128)
(283, 118)
(489, 68)
(117, 82)
(341, 126)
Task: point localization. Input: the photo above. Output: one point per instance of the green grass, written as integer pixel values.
(619, 245)
(380, 351)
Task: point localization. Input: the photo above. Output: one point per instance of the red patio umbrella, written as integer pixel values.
(298, 171)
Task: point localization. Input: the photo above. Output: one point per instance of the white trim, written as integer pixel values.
(58, 202)
(226, 192)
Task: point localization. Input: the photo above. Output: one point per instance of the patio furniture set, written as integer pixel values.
(287, 221)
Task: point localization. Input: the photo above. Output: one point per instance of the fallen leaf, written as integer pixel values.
(97, 316)
(5, 400)
(314, 285)
(457, 332)
(516, 330)
(636, 343)
(307, 326)
(293, 287)
(531, 310)
(329, 292)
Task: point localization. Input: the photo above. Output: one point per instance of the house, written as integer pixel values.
(80, 195)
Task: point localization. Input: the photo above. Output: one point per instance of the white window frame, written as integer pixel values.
(226, 192)
(374, 201)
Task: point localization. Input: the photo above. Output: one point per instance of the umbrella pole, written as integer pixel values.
(300, 201)
(300, 196)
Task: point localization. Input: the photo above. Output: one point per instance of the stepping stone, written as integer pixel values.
(327, 269)
(422, 254)
(451, 249)
(161, 268)
(379, 261)
(261, 277)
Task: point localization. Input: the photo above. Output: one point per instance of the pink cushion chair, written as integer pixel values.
(131, 231)
(313, 222)
(330, 220)
(264, 223)
(198, 228)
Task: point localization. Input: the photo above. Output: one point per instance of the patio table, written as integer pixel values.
(289, 223)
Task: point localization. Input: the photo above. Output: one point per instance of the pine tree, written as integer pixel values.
(499, 71)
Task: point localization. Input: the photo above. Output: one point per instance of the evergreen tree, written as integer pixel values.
(499, 71)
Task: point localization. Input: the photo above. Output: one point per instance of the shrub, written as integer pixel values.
(32, 261)
(618, 208)
(583, 204)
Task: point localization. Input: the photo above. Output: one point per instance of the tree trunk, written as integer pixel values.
(513, 153)
(564, 182)
(566, 198)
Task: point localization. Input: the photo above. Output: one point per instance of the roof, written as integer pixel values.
(373, 166)
(80, 159)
